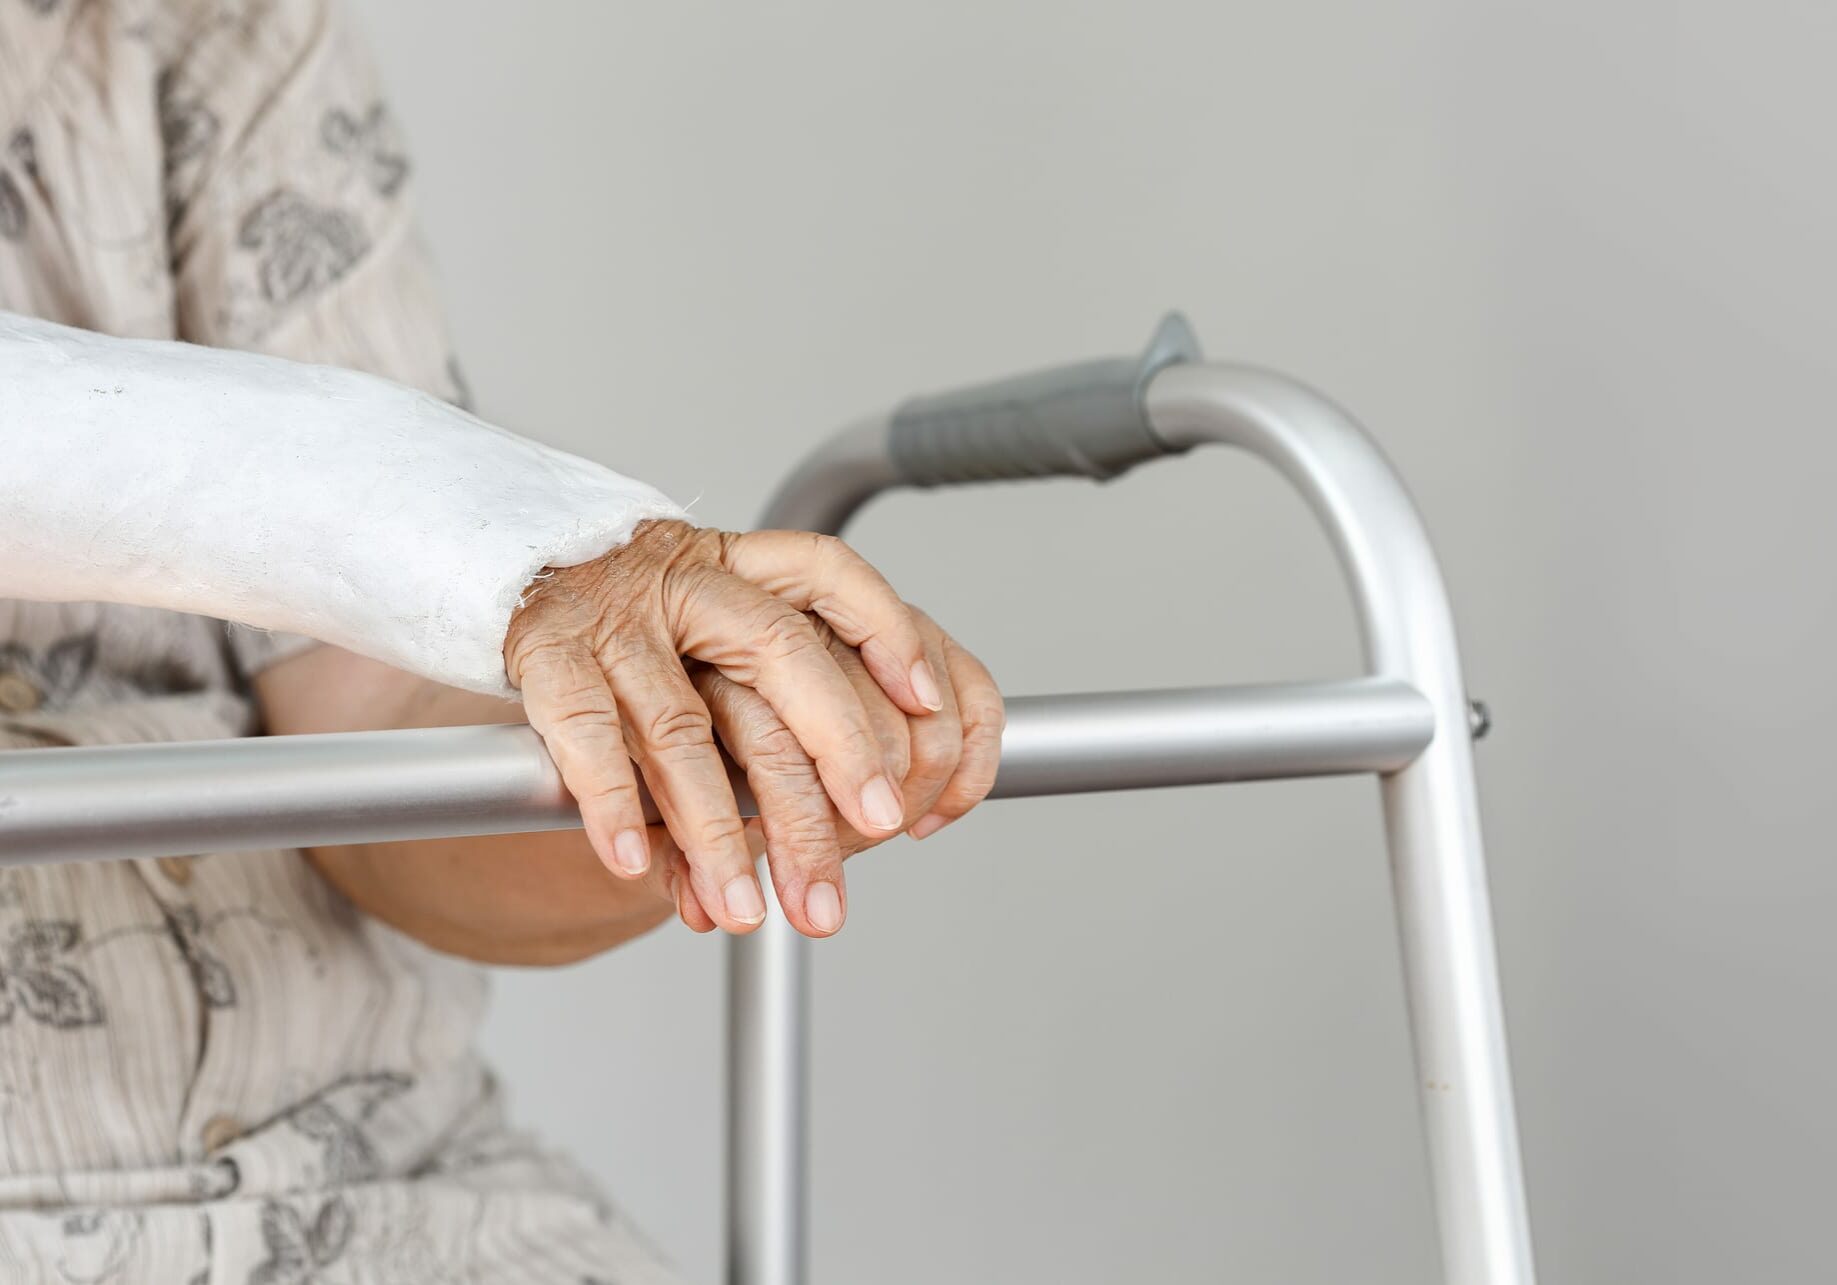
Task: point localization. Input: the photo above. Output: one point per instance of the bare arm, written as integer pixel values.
(503, 899)
(545, 898)
(292, 235)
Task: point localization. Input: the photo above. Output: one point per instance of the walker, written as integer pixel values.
(1408, 720)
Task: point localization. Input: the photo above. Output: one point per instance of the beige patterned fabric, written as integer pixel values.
(215, 1069)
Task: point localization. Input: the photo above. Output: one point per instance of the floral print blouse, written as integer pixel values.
(214, 1069)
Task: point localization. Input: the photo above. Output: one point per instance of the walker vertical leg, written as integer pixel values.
(1431, 808)
(768, 1001)
(767, 1091)
(1457, 1019)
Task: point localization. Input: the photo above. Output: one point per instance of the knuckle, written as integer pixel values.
(830, 548)
(895, 736)
(800, 813)
(845, 563)
(773, 746)
(720, 545)
(540, 648)
(860, 744)
(981, 756)
(784, 632)
(970, 786)
(688, 587)
(608, 792)
(626, 639)
(937, 755)
(900, 756)
(580, 715)
(805, 836)
(984, 716)
(533, 653)
(722, 834)
(679, 729)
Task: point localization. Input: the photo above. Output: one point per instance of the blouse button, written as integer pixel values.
(17, 695)
(177, 869)
(219, 1131)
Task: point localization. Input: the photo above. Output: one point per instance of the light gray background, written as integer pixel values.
(1573, 263)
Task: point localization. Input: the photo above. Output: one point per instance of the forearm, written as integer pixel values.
(300, 498)
(505, 899)
(528, 899)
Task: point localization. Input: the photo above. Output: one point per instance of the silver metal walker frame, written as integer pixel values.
(1407, 720)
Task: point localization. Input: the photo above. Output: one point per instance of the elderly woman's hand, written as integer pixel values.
(597, 652)
(946, 759)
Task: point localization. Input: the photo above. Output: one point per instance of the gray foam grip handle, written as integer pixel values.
(1084, 420)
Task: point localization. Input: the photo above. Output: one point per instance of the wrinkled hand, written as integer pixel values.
(598, 653)
(946, 762)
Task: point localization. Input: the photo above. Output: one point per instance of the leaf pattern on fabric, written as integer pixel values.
(12, 208)
(38, 980)
(263, 75)
(82, 1223)
(98, 1244)
(37, 939)
(215, 985)
(334, 1117)
(367, 141)
(23, 148)
(187, 127)
(66, 664)
(301, 247)
(60, 671)
(297, 1249)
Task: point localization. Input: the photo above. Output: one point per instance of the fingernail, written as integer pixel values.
(631, 851)
(743, 899)
(929, 824)
(925, 686)
(823, 906)
(880, 805)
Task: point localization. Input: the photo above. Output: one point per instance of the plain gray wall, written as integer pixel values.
(1571, 261)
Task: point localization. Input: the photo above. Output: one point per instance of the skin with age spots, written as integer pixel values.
(598, 652)
(677, 645)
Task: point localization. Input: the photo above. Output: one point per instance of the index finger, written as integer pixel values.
(767, 644)
(568, 702)
(822, 574)
(670, 732)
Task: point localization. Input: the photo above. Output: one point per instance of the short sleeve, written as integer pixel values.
(290, 209)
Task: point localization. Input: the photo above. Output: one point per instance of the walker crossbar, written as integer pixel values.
(122, 801)
(1406, 721)
(1096, 420)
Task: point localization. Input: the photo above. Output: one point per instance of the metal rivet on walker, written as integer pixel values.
(1479, 719)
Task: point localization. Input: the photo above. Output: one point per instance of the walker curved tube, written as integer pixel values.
(1097, 419)
(1407, 720)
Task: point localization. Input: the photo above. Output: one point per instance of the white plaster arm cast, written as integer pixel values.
(301, 498)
